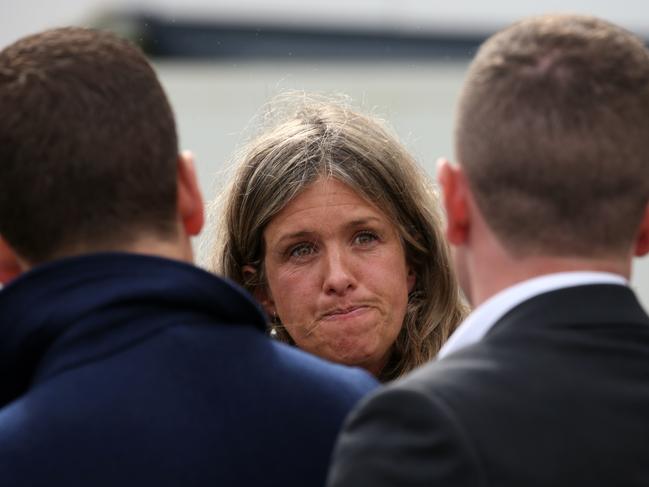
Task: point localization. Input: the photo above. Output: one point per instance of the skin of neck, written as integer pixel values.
(490, 268)
(189, 221)
(485, 266)
(176, 247)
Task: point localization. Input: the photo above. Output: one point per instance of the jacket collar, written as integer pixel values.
(577, 306)
(74, 297)
(485, 316)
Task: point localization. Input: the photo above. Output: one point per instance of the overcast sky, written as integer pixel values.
(21, 17)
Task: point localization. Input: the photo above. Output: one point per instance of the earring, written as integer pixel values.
(273, 327)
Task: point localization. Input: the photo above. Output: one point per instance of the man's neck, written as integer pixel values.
(170, 249)
(495, 275)
(178, 248)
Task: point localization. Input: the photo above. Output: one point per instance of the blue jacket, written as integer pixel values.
(119, 369)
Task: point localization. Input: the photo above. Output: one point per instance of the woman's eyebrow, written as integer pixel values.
(359, 222)
(295, 235)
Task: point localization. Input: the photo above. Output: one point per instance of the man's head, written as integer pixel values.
(88, 147)
(552, 137)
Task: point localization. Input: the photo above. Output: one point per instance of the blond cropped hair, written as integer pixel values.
(552, 133)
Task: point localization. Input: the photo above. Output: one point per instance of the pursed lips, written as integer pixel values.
(342, 313)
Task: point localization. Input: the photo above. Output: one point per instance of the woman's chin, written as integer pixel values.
(361, 352)
(355, 338)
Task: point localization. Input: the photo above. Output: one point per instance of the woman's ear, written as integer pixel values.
(411, 279)
(260, 292)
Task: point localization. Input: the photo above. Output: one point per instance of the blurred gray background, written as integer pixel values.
(221, 60)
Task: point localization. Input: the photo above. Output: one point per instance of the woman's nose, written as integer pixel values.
(339, 276)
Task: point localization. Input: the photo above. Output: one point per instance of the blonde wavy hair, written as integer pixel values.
(320, 138)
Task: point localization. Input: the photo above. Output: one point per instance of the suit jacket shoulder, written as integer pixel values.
(556, 394)
(405, 435)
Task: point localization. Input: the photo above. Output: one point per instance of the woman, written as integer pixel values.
(334, 228)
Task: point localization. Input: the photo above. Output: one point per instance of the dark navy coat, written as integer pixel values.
(119, 369)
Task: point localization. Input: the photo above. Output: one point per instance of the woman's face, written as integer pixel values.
(337, 275)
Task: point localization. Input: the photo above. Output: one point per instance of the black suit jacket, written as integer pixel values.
(556, 394)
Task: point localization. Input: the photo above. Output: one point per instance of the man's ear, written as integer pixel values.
(190, 202)
(10, 266)
(260, 292)
(455, 199)
(642, 239)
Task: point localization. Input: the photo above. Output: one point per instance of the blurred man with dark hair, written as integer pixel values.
(121, 363)
(547, 381)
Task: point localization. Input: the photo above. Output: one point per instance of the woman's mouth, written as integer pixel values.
(345, 313)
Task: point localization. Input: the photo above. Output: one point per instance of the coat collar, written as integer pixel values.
(587, 305)
(484, 317)
(69, 299)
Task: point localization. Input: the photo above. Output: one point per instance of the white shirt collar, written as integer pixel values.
(480, 321)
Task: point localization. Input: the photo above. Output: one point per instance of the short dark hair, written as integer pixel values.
(88, 144)
(553, 134)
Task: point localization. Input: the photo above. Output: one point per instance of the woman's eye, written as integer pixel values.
(365, 238)
(302, 250)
